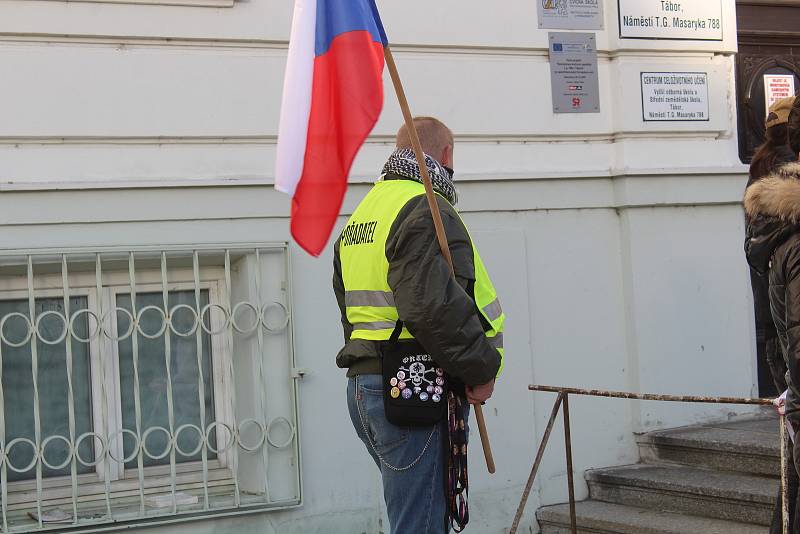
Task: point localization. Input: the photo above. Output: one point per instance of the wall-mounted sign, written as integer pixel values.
(777, 86)
(573, 73)
(699, 20)
(675, 96)
(571, 14)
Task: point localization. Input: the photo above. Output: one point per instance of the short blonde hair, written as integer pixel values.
(434, 136)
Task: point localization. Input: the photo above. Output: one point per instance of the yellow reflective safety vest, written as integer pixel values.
(369, 300)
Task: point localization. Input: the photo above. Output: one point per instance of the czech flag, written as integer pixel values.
(332, 98)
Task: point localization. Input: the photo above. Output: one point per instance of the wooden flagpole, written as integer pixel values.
(437, 221)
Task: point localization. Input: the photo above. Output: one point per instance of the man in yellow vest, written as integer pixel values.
(388, 268)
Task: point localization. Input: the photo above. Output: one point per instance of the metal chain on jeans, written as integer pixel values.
(457, 477)
(372, 445)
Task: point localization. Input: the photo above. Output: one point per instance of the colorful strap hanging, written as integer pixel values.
(457, 478)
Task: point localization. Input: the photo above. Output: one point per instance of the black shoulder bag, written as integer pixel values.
(415, 389)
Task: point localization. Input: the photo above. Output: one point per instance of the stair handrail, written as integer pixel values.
(563, 401)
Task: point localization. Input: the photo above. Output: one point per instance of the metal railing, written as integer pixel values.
(563, 401)
(236, 451)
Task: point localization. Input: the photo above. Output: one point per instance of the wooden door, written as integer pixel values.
(769, 43)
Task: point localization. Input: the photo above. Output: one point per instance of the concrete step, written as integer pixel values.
(750, 446)
(687, 489)
(605, 518)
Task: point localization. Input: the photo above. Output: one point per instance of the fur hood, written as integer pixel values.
(777, 195)
(772, 205)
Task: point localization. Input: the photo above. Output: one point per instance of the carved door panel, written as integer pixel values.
(769, 43)
(750, 71)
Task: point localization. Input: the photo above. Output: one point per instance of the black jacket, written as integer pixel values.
(772, 246)
(440, 312)
(765, 328)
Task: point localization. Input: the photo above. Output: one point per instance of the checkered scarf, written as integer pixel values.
(403, 163)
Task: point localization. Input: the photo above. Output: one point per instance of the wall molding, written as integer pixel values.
(271, 140)
(282, 45)
(466, 180)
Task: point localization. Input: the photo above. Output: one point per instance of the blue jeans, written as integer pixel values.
(411, 460)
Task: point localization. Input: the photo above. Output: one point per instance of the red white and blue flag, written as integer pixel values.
(332, 98)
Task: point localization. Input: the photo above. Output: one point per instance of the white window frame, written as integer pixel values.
(22, 494)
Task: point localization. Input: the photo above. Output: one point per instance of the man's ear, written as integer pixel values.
(447, 156)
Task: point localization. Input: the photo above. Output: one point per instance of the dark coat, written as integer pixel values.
(766, 335)
(760, 284)
(440, 312)
(772, 246)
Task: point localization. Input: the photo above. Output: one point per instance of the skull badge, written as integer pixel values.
(416, 372)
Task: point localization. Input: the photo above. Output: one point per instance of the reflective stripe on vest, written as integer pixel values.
(376, 299)
(497, 341)
(489, 305)
(369, 302)
(493, 310)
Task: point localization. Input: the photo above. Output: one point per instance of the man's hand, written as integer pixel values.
(779, 403)
(479, 394)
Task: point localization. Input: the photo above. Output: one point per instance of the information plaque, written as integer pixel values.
(570, 14)
(697, 20)
(776, 87)
(573, 73)
(675, 96)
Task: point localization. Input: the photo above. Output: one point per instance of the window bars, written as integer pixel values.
(138, 385)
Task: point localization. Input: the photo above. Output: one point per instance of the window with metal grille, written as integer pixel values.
(145, 383)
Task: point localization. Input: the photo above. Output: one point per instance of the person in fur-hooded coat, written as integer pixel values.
(772, 247)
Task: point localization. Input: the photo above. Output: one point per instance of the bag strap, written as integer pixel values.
(457, 472)
(398, 329)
